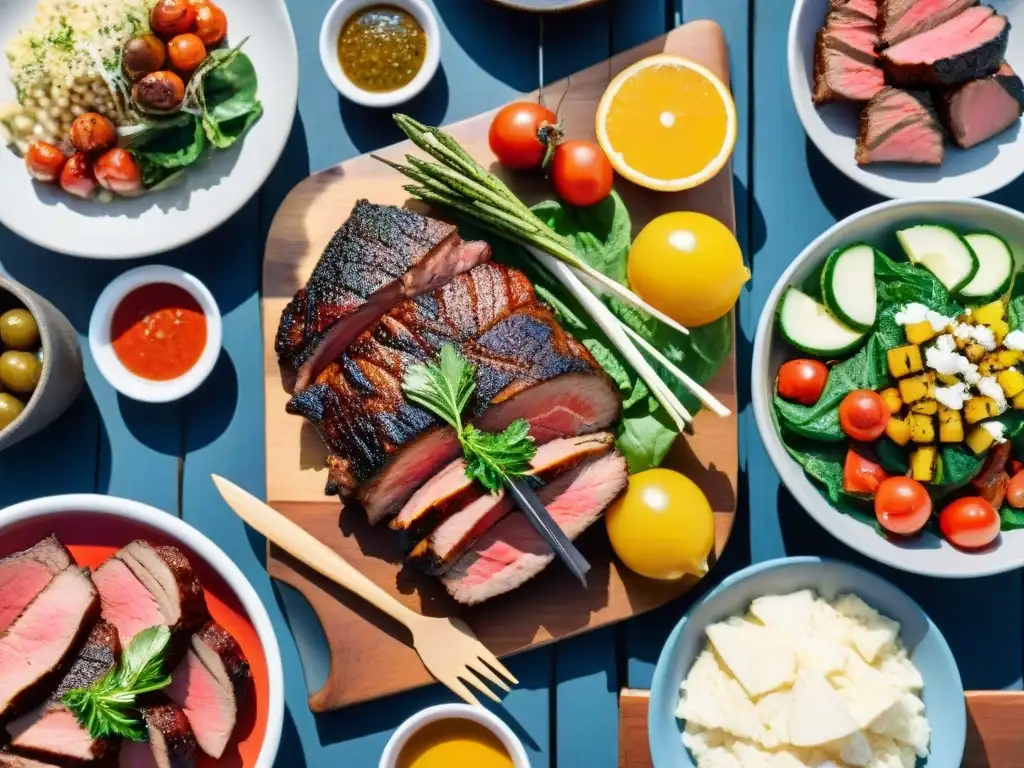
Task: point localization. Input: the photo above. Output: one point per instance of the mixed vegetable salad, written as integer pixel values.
(907, 408)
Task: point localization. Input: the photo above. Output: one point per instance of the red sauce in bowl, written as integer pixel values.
(159, 332)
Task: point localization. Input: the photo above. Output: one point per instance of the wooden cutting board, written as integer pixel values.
(369, 658)
(995, 738)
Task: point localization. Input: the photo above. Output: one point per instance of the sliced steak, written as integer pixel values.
(210, 685)
(379, 257)
(171, 741)
(862, 9)
(126, 602)
(899, 127)
(846, 67)
(900, 19)
(512, 552)
(980, 109)
(44, 635)
(168, 575)
(25, 574)
(425, 517)
(51, 730)
(966, 47)
(11, 760)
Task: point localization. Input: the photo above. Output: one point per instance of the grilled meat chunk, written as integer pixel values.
(168, 575)
(11, 760)
(900, 19)
(864, 9)
(846, 67)
(379, 257)
(25, 574)
(980, 109)
(899, 127)
(126, 603)
(171, 742)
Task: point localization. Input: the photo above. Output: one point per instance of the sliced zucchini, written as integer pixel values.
(810, 327)
(995, 268)
(848, 285)
(942, 252)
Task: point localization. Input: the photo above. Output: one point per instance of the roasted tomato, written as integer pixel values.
(515, 134)
(211, 24)
(1015, 491)
(186, 52)
(902, 505)
(44, 161)
(119, 171)
(172, 17)
(860, 475)
(863, 415)
(993, 480)
(92, 132)
(77, 178)
(802, 381)
(581, 173)
(143, 55)
(969, 523)
(160, 91)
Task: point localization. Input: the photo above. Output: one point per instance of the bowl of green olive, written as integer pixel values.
(40, 363)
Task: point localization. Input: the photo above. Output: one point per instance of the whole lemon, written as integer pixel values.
(663, 526)
(689, 266)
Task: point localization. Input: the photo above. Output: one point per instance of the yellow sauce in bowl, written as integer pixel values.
(453, 743)
(381, 48)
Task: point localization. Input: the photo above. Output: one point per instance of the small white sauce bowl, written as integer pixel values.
(101, 344)
(479, 715)
(341, 12)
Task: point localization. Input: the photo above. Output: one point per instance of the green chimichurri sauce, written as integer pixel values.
(381, 48)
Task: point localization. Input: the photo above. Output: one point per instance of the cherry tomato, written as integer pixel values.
(969, 523)
(172, 17)
(159, 90)
(44, 161)
(1015, 491)
(77, 177)
(861, 475)
(581, 173)
(92, 132)
(863, 415)
(902, 505)
(211, 24)
(186, 52)
(142, 55)
(802, 381)
(119, 171)
(513, 134)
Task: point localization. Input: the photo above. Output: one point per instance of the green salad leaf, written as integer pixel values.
(222, 93)
(168, 151)
(1011, 519)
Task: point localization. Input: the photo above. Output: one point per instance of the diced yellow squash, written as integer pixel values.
(974, 352)
(919, 333)
(918, 387)
(961, 343)
(990, 365)
(979, 408)
(922, 428)
(904, 360)
(898, 431)
(999, 329)
(923, 463)
(1012, 382)
(927, 406)
(947, 379)
(989, 313)
(1018, 402)
(892, 399)
(1009, 357)
(951, 426)
(980, 440)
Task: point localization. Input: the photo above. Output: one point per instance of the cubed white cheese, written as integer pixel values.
(817, 715)
(901, 672)
(904, 721)
(1014, 340)
(868, 700)
(791, 611)
(855, 750)
(989, 387)
(773, 712)
(996, 429)
(714, 700)
(760, 658)
(873, 632)
(952, 397)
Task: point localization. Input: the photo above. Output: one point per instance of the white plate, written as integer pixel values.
(928, 554)
(833, 128)
(208, 195)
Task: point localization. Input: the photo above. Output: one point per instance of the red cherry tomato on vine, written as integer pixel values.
(581, 173)
(902, 505)
(802, 381)
(863, 415)
(969, 523)
(513, 135)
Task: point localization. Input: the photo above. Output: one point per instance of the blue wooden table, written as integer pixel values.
(565, 708)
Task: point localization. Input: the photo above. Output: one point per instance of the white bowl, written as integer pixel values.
(63, 508)
(342, 11)
(928, 554)
(209, 194)
(479, 715)
(833, 127)
(123, 380)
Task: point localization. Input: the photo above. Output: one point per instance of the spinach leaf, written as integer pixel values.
(600, 234)
(1010, 519)
(892, 458)
(900, 282)
(959, 467)
(1015, 310)
(223, 93)
(166, 152)
(823, 463)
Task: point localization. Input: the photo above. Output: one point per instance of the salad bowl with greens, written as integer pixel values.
(888, 384)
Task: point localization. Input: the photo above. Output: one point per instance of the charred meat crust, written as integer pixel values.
(184, 594)
(227, 649)
(167, 723)
(955, 121)
(921, 113)
(900, 19)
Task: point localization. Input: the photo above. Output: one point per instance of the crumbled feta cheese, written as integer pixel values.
(945, 343)
(971, 375)
(983, 335)
(952, 397)
(996, 429)
(962, 331)
(989, 387)
(1014, 340)
(912, 313)
(945, 361)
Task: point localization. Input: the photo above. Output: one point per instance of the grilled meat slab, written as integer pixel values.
(846, 67)
(900, 19)
(899, 127)
(25, 574)
(168, 575)
(978, 110)
(380, 256)
(171, 741)
(126, 603)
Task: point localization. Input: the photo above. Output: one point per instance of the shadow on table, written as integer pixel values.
(750, 224)
(290, 754)
(292, 168)
(840, 195)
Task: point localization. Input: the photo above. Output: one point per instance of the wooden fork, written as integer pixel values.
(447, 647)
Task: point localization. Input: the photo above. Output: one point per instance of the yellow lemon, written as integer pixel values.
(689, 266)
(667, 123)
(663, 526)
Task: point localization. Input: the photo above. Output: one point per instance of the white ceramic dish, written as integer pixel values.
(342, 11)
(928, 554)
(208, 195)
(479, 715)
(833, 128)
(123, 380)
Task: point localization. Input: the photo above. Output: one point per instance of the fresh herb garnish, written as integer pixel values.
(444, 388)
(107, 708)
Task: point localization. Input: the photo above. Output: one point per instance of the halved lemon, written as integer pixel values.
(667, 123)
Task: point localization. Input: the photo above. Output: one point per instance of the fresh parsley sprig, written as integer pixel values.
(444, 388)
(107, 708)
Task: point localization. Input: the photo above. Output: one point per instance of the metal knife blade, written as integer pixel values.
(538, 515)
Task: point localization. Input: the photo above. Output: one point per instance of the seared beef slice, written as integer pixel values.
(846, 67)
(980, 109)
(51, 730)
(379, 257)
(171, 742)
(899, 127)
(900, 19)
(25, 574)
(44, 635)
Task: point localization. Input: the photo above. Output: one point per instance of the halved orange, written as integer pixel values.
(667, 123)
